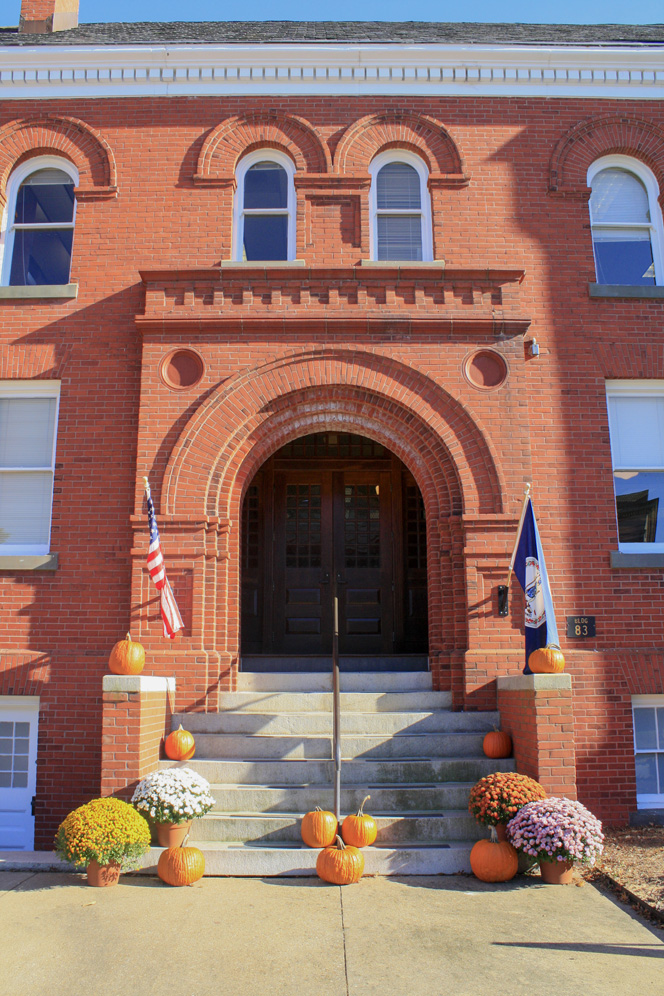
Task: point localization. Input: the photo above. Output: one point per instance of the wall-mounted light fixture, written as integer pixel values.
(533, 347)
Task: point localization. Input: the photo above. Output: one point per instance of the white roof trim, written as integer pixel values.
(188, 70)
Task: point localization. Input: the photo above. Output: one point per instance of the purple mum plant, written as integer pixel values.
(557, 830)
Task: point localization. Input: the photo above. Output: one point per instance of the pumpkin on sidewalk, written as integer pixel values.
(359, 829)
(127, 657)
(181, 865)
(494, 860)
(340, 864)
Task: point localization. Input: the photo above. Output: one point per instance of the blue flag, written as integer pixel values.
(530, 569)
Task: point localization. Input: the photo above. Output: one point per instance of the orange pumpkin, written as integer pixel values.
(181, 865)
(127, 657)
(497, 744)
(339, 864)
(494, 860)
(547, 660)
(319, 828)
(359, 830)
(179, 745)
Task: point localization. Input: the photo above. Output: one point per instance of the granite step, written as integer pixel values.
(380, 747)
(320, 723)
(303, 798)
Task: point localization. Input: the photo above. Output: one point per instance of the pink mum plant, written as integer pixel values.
(557, 830)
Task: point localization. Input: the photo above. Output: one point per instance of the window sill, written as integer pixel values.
(636, 560)
(67, 291)
(405, 264)
(626, 290)
(256, 264)
(29, 562)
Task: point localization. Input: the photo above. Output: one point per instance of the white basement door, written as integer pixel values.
(19, 715)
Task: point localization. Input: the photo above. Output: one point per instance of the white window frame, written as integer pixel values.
(655, 228)
(7, 227)
(401, 156)
(649, 801)
(33, 389)
(243, 167)
(634, 389)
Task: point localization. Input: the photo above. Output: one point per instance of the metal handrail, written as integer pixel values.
(336, 707)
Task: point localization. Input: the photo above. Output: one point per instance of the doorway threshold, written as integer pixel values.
(287, 663)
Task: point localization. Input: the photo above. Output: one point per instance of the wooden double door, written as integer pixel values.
(312, 525)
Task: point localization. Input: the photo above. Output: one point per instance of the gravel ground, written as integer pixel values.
(634, 859)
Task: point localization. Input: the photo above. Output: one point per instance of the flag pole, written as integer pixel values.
(146, 485)
(518, 532)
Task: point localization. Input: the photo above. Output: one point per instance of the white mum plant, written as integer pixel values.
(173, 795)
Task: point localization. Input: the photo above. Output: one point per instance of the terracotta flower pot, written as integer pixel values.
(556, 872)
(172, 834)
(103, 875)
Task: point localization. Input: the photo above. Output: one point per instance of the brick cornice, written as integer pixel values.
(430, 297)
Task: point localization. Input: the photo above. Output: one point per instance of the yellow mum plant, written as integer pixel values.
(103, 830)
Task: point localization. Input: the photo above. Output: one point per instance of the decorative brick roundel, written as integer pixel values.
(182, 369)
(486, 369)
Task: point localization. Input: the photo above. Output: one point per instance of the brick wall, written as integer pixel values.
(155, 195)
(136, 716)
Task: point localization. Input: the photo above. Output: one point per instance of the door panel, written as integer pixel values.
(18, 771)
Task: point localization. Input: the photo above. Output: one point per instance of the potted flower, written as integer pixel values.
(495, 798)
(172, 798)
(106, 836)
(557, 832)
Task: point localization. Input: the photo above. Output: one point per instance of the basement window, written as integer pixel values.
(648, 714)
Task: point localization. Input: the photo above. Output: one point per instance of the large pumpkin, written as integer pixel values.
(319, 828)
(497, 744)
(547, 660)
(494, 860)
(180, 745)
(360, 829)
(339, 864)
(127, 657)
(181, 865)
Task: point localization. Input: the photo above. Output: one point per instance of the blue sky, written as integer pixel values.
(563, 12)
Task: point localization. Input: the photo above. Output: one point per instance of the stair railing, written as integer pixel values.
(336, 705)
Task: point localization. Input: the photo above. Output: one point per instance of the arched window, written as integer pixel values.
(265, 208)
(400, 208)
(626, 222)
(41, 209)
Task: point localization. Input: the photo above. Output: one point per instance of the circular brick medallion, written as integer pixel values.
(181, 369)
(485, 369)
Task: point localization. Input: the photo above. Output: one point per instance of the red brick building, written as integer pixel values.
(334, 288)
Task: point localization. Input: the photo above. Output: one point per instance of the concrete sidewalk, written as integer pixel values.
(294, 937)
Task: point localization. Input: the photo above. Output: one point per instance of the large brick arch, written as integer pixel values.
(615, 134)
(237, 428)
(235, 136)
(66, 136)
(394, 129)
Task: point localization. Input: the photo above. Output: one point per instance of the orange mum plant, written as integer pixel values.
(496, 798)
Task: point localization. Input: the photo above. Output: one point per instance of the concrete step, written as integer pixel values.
(380, 747)
(279, 664)
(399, 681)
(320, 723)
(353, 772)
(251, 860)
(303, 798)
(285, 827)
(419, 701)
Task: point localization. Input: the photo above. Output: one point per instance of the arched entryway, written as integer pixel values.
(334, 507)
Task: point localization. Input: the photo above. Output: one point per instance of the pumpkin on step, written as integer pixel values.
(319, 828)
(127, 657)
(180, 745)
(494, 860)
(360, 829)
(181, 865)
(497, 744)
(547, 660)
(340, 865)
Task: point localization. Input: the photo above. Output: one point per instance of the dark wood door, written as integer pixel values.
(333, 509)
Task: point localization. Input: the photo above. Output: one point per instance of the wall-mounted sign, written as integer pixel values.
(580, 627)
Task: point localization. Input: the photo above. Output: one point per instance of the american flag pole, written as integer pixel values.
(170, 614)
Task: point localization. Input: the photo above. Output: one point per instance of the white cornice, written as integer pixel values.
(44, 72)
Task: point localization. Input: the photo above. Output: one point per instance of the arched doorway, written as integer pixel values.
(326, 506)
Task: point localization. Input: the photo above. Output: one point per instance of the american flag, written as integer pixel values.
(170, 614)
